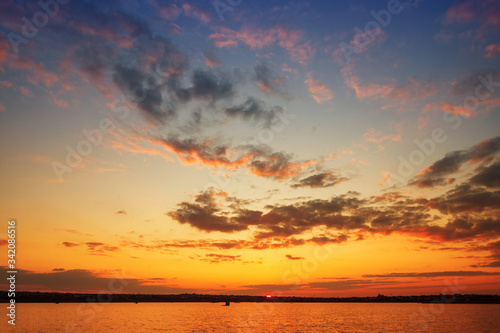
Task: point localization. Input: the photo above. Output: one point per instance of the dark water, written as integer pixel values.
(255, 317)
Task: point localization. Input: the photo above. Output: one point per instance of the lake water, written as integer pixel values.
(255, 317)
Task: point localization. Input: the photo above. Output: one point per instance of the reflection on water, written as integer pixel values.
(256, 317)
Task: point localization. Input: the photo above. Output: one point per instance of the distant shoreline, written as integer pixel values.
(57, 297)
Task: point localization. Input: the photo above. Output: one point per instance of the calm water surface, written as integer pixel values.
(255, 317)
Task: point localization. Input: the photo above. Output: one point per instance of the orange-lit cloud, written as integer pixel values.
(381, 139)
(259, 38)
(198, 13)
(492, 51)
(319, 91)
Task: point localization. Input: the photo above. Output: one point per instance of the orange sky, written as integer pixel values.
(283, 148)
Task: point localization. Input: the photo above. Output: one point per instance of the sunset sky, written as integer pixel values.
(327, 148)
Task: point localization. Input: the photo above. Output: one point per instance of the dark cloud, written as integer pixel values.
(208, 85)
(58, 270)
(323, 240)
(80, 280)
(432, 274)
(149, 100)
(69, 244)
(490, 264)
(320, 180)
(466, 199)
(98, 248)
(261, 161)
(494, 258)
(260, 244)
(121, 212)
(435, 175)
(204, 215)
(253, 109)
(471, 214)
(268, 82)
(290, 257)
(279, 221)
(488, 176)
(276, 165)
(468, 84)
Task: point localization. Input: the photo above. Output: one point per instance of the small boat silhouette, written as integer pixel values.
(227, 304)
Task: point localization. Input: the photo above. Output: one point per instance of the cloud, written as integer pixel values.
(380, 139)
(204, 214)
(470, 19)
(492, 51)
(432, 274)
(320, 180)
(458, 110)
(121, 212)
(469, 212)
(360, 43)
(286, 68)
(217, 258)
(81, 280)
(4, 50)
(481, 153)
(494, 258)
(226, 244)
(469, 11)
(414, 89)
(488, 176)
(210, 212)
(149, 101)
(319, 91)
(253, 109)
(211, 59)
(258, 38)
(473, 83)
(73, 231)
(260, 161)
(208, 85)
(290, 257)
(191, 151)
(268, 82)
(464, 11)
(98, 248)
(277, 165)
(69, 244)
(192, 11)
(465, 198)
(170, 12)
(333, 285)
